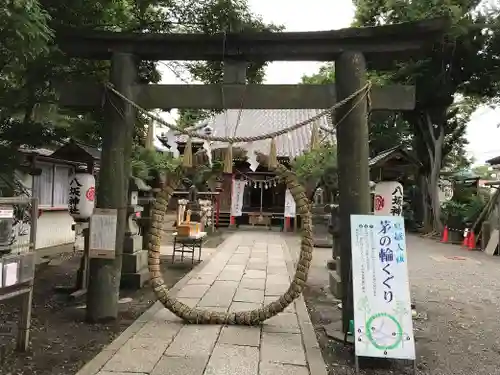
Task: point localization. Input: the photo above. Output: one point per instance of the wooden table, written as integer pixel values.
(188, 244)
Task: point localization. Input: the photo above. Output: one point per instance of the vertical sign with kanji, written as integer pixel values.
(388, 198)
(382, 305)
(81, 195)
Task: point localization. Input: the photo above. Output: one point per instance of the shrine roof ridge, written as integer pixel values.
(375, 42)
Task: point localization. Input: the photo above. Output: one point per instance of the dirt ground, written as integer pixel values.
(457, 296)
(61, 341)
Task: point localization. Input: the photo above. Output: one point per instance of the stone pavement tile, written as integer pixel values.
(272, 270)
(203, 279)
(253, 283)
(255, 274)
(289, 309)
(238, 259)
(139, 354)
(120, 373)
(231, 273)
(220, 294)
(282, 323)
(193, 291)
(180, 365)
(282, 348)
(276, 263)
(233, 360)
(249, 295)
(277, 279)
(244, 306)
(240, 335)
(260, 266)
(243, 250)
(281, 369)
(194, 340)
(276, 289)
(259, 255)
(165, 331)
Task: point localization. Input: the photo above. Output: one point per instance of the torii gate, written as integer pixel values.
(352, 49)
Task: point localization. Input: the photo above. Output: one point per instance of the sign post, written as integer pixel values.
(383, 325)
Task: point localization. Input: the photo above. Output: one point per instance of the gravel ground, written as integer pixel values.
(457, 295)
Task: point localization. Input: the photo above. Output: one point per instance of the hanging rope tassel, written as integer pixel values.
(187, 160)
(314, 137)
(228, 161)
(273, 155)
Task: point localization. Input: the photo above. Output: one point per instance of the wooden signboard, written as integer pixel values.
(103, 233)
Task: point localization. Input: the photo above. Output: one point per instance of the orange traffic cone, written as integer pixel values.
(445, 235)
(472, 241)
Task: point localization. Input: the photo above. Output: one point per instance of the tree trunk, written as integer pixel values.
(436, 158)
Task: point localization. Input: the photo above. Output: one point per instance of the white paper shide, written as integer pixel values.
(382, 306)
(237, 192)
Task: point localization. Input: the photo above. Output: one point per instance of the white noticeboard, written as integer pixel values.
(238, 190)
(383, 325)
(290, 209)
(388, 198)
(103, 233)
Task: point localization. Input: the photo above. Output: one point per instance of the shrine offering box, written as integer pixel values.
(188, 229)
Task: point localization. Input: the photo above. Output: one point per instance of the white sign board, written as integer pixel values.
(382, 306)
(6, 213)
(290, 209)
(237, 192)
(388, 198)
(103, 233)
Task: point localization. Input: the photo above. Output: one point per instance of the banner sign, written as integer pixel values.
(237, 192)
(289, 204)
(382, 305)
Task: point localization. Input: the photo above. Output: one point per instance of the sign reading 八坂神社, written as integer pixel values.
(388, 198)
(382, 305)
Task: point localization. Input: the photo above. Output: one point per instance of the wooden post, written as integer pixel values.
(352, 155)
(235, 72)
(104, 274)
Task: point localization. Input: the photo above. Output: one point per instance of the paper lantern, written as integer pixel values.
(81, 195)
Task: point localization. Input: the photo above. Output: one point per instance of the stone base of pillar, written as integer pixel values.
(135, 271)
(134, 280)
(335, 284)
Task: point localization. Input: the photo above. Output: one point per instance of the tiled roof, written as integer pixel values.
(255, 122)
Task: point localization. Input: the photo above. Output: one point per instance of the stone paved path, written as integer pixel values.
(248, 269)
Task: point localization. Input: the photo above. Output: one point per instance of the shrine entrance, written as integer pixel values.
(352, 49)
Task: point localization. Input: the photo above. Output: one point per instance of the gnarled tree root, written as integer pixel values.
(254, 317)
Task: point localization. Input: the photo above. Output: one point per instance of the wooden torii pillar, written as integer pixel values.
(351, 48)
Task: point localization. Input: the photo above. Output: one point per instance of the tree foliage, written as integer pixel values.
(30, 62)
(314, 168)
(465, 62)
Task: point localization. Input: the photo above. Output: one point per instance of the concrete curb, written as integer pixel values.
(314, 357)
(98, 362)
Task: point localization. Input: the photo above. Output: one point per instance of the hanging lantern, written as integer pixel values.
(255, 185)
(274, 183)
(81, 195)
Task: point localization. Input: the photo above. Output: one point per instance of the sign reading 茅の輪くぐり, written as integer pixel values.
(382, 306)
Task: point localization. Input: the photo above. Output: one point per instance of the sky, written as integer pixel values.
(482, 131)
